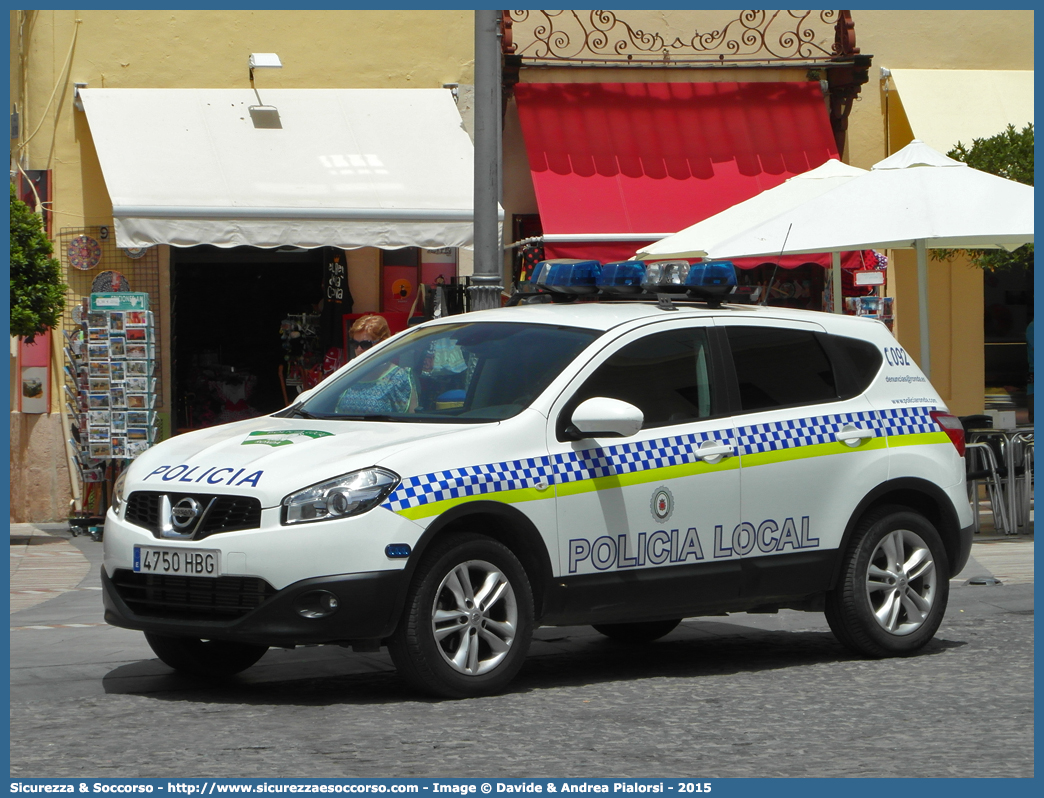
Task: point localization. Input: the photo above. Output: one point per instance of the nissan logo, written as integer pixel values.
(185, 512)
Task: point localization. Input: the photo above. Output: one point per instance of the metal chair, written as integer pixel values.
(1023, 451)
(986, 472)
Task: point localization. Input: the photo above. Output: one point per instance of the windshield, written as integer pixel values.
(480, 371)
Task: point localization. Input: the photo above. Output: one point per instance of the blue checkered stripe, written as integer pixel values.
(607, 461)
(794, 432)
(629, 458)
(476, 480)
(908, 421)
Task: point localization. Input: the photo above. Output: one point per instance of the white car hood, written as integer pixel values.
(270, 457)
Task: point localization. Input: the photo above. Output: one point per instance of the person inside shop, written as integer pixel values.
(392, 391)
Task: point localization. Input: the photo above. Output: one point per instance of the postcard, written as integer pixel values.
(98, 418)
(100, 451)
(137, 368)
(137, 433)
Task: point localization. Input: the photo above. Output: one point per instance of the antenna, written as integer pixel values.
(772, 279)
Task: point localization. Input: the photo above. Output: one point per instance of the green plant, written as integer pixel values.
(37, 290)
(1009, 155)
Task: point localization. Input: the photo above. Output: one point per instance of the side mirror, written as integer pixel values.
(601, 417)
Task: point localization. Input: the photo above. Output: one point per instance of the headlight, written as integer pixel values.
(344, 496)
(117, 492)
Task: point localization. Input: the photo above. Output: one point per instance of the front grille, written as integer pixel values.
(191, 597)
(221, 513)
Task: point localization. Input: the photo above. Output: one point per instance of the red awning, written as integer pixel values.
(650, 159)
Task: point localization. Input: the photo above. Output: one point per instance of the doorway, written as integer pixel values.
(228, 306)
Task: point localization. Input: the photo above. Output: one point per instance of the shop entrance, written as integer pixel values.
(229, 341)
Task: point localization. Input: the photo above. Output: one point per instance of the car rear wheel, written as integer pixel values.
(894, 585)
(204, 657)
(637, 632)
(468, 620)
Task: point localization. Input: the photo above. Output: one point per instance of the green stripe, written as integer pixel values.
(813, 450)
(643, 477)
(505, 496)
(919, 439)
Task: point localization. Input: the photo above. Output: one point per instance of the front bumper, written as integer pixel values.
(369, 605)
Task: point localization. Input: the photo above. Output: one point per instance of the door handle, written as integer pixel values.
(853, 436)
(713, 451)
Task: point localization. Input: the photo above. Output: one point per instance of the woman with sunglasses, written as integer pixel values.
(392, 391)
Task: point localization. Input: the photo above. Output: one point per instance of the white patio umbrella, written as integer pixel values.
(706, 236)
(917, 198)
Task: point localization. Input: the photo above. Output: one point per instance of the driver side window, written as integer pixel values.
(666, 375)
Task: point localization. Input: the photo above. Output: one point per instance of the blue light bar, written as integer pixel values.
(622, 277)
(711, 280)
(711, 273)
(568, 275)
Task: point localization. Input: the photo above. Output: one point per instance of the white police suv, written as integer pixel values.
(620, 464)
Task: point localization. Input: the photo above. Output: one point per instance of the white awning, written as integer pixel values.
(946, 106)
(311, 167)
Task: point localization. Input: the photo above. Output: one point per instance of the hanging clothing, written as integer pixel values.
(337, 300)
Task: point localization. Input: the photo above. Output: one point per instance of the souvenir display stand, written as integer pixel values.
(111, 358)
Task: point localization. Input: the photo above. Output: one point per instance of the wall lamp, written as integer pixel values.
(263, 116)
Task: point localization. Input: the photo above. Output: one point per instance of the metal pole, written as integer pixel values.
(486, 280)
(835, 276)
(922, 305)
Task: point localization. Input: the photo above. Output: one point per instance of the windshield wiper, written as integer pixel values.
(369, 418)
(297, 411)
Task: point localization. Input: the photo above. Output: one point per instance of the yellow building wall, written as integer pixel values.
(207, 49)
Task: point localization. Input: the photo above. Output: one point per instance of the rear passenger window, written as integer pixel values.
(778, 367)
(666, 375)
(856, 363)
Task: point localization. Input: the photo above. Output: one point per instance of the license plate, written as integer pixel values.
(181, 562)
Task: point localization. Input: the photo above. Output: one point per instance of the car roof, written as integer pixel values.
(607, 315)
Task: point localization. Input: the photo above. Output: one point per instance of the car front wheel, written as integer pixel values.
(468, 620)
(894, 585)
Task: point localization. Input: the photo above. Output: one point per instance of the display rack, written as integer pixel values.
(111, 359)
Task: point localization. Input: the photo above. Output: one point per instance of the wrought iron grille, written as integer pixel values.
(602, 37)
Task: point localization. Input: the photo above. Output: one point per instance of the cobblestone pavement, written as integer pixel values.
(736, 696)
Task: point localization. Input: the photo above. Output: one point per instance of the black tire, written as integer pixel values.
(637, 632)
(212, 658)
(894, 585)
(441, 662)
